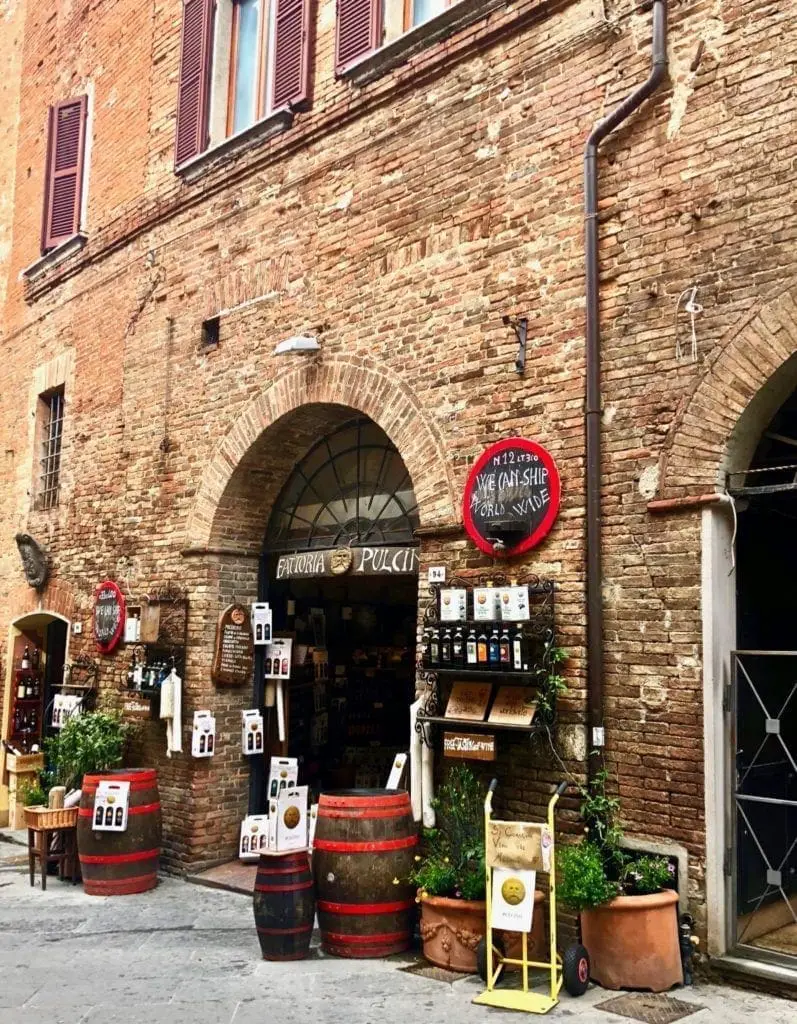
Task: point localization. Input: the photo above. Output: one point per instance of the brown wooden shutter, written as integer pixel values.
(291, 85)
(63, 182)
(193, 94)
(358, 31)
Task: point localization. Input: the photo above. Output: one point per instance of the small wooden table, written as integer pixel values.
(66, 858)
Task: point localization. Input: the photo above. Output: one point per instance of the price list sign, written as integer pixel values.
(513, 491)
(109, 616)
(233, 658)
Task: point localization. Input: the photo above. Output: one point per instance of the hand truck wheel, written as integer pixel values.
(575, 970)
(481, 956)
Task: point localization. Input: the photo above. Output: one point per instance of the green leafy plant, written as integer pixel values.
(598, 869)
(91, 742)
(643, 875)
(550, 682)
(451, 862)
(581, 877)
(31, 793)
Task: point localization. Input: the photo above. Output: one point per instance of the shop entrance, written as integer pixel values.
(763, 699)
(339, 570)
(35, 672)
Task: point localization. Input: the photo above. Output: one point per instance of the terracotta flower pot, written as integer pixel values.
(633, 942)
(450, 930)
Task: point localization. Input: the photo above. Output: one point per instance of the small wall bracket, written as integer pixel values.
(520, 326)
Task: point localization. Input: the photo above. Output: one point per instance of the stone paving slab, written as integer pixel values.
(187, 954)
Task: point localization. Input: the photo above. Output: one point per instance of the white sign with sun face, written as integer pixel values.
(513, 899)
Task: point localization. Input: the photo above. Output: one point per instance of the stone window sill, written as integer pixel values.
(226, 151)
(51, 259)
(398, 51)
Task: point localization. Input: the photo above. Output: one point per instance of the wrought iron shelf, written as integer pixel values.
(480, 726)
(498, 675)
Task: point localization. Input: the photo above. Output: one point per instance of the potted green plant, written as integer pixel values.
(449, 874)
(626, 901)
(91, 742)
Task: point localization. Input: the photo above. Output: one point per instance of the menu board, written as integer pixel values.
(469, 701)
(511, 496)
(514, 705)
(109, 616)
(234, 654)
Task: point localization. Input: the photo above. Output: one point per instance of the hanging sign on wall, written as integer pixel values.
(511, 497)
(234, 654)
(469, 746)
(109, 616)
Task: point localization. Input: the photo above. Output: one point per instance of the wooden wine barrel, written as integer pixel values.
(121, 863)
(284, 904)
(364, 850)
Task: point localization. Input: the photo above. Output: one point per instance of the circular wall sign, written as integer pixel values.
(109, 615)
(511, 497)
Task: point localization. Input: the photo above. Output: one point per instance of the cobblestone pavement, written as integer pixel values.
(184, 954)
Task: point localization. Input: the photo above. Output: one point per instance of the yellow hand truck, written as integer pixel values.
(571, 969)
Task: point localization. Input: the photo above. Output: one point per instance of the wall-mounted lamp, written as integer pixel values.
(520, 326)
(298, 343)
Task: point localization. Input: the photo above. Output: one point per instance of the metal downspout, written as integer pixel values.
(592, 417)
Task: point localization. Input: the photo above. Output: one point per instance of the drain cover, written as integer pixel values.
(649, 1007)
(424, 970)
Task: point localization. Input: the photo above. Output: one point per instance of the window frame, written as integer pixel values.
(50, 448)
(264, 63)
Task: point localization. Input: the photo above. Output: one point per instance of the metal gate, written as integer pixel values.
(763, 859)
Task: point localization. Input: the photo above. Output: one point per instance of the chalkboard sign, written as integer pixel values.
(511, 497)
(233, 659)
(109, 616)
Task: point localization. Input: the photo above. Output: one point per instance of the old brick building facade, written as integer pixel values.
(414, 202)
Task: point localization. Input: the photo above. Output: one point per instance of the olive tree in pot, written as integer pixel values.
(626, 901)
(91, 742)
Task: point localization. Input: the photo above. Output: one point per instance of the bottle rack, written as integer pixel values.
(155, 659)
(538, 634)
(80, 678)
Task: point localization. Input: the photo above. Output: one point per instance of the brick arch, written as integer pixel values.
(56, 599)
(334, 382)
(749, 374)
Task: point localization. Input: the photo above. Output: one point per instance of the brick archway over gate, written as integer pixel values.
(741, 385)
(336, 381)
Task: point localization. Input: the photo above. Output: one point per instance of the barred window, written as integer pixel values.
(52, 407)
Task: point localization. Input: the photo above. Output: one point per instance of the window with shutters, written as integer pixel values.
(241, 61)
(365, 25)
(64, 171)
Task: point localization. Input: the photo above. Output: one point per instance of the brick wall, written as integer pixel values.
(401, 221)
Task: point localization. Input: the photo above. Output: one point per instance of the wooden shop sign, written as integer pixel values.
(233, 659)
(469, 746)
(512, 495)
(368, 561)
(109, 616)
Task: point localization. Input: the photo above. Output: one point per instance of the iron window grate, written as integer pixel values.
(50, 460)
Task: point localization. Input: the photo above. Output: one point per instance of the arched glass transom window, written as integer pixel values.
(352, 487)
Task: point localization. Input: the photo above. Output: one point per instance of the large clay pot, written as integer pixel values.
(633, 942)
(450, 930)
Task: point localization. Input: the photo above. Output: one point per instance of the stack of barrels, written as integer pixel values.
(363, 853)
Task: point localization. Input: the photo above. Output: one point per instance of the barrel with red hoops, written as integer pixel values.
(363, 853)
(121, 863)
(284, 905)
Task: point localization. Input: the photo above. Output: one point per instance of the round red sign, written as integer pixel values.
(109, 616)
(511, 497)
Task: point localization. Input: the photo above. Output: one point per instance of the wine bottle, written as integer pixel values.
(517, 649)
(458, 648)
(434, 647)
(25, 663)
(445, 648)
(504, 648)
(494, 649)
(471, 657)
(482, 657)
